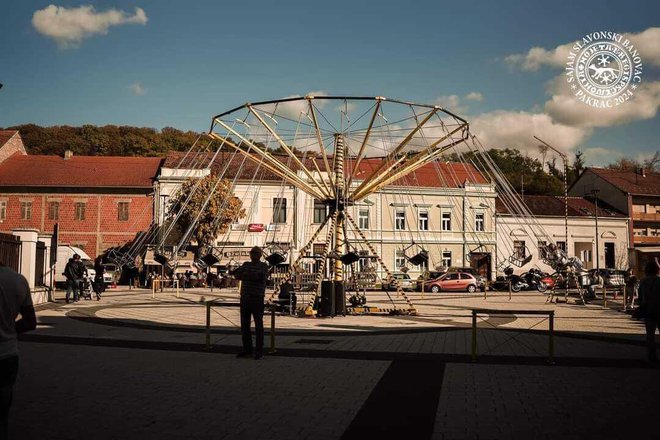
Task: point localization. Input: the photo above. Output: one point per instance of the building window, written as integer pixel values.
(399, 259)
(639, 232)
(639, 208)
(519, 249)
(122, 211)
(543, 250)
(363, 263)
(400, 219)
(446, 221)
(446, 258)
(480, 222)
(561, 245)
(423, 220)
(363, 218)
(53, 210)
(26, 210)
(320, 211)
(279, 210)
(3, 210)
(79, 213)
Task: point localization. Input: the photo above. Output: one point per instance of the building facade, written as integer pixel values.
(637, 195)
(98, 202)
(520, 237)
(447, 210)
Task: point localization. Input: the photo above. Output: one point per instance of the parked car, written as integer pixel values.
(611, 277)
(453, 281)
(428, 275)
(472, 271)
(403, 279)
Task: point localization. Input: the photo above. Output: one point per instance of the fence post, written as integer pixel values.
(208, 325)
(177, 286)
(510, 290)
(153, 288)
(604, 296)
(474, 335)
(551, 334)
(272, 330)
(485, 289)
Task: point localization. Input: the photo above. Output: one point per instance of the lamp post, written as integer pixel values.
(594, 192)
(564, 159)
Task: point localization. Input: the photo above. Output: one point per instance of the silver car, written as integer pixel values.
(403, 279)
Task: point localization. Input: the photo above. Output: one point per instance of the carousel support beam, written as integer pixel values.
(269, 162)
(385, 166)
(408, 166)
(411, 307)
(360, 154)
(319, 138)
(323, 189)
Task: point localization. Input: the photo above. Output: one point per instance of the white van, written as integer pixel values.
(64, 252)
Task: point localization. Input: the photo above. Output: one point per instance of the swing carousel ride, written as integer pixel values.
(337, 151)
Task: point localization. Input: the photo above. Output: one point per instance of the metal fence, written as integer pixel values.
(10, 251)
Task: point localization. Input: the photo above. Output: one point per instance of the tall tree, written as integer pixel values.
(222, 209)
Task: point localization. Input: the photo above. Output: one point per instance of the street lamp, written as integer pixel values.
(564, 158)
(594, 192)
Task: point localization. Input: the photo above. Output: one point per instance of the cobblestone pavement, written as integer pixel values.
(130, 366)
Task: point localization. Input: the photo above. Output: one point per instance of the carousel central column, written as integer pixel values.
(339, 302)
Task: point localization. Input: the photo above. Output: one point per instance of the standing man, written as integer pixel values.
(15, 299)
(73, 271)
(649, 302)
(253, 275)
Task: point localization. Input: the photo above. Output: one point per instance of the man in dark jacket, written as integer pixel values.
(253, 275)
(73, 271)
(649, 301)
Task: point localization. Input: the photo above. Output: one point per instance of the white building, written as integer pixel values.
(519, 237)
(446, 209)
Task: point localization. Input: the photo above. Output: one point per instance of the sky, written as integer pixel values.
(174, 63)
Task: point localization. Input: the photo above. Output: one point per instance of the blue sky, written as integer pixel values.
(194, 59)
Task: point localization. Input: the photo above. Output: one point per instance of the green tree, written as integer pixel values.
(223, 208)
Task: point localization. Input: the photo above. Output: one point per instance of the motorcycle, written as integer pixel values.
(533, 279)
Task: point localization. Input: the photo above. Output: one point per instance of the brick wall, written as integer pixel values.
(101, 227)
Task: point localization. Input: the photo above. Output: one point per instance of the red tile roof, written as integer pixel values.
(438, 175)
(554, 206)
(5, 135)
(79, 171)
(629, 181)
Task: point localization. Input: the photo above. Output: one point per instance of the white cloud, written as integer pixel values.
(69, 26)
(138, 89)
(647, 43)
(474, 96)
(456, 104)
(565, 108)
(502, 129)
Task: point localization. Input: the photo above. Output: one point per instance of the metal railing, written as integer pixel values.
(551, 327)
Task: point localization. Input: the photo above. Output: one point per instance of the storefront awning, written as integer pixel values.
(648, 250)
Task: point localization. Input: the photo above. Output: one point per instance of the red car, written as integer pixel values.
(453, 281)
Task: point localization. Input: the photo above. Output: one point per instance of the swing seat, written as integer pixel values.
(420, 258)
(209, 259)
(520, 262)
(349, 258)
(275, 258)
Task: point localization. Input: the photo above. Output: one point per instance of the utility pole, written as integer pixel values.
(564, 159)
(594, 192)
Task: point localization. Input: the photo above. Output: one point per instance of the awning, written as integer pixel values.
(648, 250)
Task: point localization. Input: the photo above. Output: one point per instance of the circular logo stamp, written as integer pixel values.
(603, 69)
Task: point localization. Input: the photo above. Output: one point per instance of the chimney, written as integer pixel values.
(642, 172)
(68, 154)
